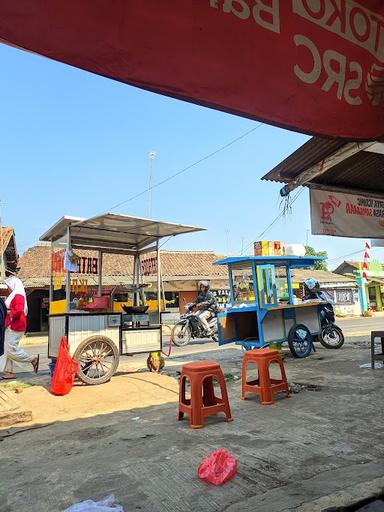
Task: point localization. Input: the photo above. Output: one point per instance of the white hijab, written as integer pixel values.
(17, 288)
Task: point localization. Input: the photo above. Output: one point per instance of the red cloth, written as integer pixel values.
(16, 319)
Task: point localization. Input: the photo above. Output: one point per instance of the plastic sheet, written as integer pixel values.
(105, 505)
(219, 467)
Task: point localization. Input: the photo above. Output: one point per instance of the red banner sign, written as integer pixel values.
(149, 266)
(315, 66)
(351, 215)
(84, 265)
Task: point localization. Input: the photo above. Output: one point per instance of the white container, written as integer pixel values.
(295, 250)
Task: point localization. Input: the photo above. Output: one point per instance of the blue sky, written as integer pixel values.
(76, 143)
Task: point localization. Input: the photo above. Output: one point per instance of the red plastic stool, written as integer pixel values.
(203, 401)
(264, 386)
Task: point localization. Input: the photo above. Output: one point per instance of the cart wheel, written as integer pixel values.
(155, 362)
(98, 359)
(300, 341)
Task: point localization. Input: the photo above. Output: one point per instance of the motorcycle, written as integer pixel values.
(331, 335)
(190, 327)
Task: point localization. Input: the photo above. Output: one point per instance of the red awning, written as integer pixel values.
(313, 66)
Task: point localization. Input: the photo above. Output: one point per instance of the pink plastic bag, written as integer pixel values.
(219, 467)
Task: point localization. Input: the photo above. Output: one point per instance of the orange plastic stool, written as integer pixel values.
(264, 386)
(203, 401)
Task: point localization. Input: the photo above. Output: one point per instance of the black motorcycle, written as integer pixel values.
(331, 335)
(190, 327)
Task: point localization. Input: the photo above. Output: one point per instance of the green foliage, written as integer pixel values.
(319, 265)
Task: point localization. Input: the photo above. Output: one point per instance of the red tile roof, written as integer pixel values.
(35, 263)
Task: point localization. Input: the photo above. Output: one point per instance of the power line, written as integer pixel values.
(350, 254)
(187, 168)
(281, 214)
(182, 171)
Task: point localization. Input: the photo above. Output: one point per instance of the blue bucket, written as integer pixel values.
(51, 367)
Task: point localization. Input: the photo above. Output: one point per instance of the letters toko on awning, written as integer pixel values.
(315, 66)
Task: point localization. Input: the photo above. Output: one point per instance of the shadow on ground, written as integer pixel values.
(320, 448)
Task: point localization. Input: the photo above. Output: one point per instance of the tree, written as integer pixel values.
(319, 265)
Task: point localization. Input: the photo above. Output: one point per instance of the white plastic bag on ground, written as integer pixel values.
(105, 505)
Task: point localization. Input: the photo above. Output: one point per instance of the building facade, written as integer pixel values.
(374, 285)
(181, 272)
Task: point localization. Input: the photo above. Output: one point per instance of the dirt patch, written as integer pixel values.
(122, 393)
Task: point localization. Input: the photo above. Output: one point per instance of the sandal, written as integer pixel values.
(8, 378)
(36, 364)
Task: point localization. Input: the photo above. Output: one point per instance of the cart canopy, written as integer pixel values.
(279, 261)
(114, 233)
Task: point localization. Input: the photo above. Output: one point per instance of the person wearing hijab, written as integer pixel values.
(15, 327)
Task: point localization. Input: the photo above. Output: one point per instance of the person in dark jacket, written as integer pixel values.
(3, 316)
(206, 305)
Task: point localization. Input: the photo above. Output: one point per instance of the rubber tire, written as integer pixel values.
(291, 341)
(333, 347)
(177, 342)
(107, 377)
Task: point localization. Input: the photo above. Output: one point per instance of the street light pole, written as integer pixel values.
(152, 156)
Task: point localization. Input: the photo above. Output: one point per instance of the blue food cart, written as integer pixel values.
(263, 309)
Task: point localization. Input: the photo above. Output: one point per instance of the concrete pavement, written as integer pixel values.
(320, 448)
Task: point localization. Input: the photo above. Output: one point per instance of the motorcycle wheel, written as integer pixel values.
(181, 334)
(332, 337)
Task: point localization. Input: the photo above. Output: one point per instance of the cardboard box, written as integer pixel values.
(267, 248)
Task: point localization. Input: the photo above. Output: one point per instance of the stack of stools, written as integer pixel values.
(380, 355)
(264, 386)
(203, 401)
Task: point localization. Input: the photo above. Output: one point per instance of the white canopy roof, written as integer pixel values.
(114, 233)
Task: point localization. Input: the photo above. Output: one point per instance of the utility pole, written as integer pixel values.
(152, 155)
(227, 240)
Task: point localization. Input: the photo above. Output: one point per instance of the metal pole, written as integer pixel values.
(136, 278)
(158, 282)
(51, 283)
(152, 155)
(100, 272)
(68, 275)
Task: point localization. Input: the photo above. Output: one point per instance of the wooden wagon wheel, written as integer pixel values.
(98, 359)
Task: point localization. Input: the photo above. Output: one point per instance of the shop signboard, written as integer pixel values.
(310, 65)
(266, 248)
(222, 296)
(349, 215)
(149, 266)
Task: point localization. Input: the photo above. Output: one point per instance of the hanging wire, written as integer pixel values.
(281, 214)
(176, 174)
(187, 168)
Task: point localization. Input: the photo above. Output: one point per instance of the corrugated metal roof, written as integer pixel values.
(313, 151)
(363, 171)
(115, 231)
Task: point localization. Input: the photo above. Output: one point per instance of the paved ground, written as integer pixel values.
(321, 448)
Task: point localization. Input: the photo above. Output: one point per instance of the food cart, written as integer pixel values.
(83, 310)
(263, 309)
